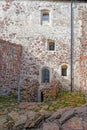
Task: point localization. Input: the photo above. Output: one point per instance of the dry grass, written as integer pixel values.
(64, 99)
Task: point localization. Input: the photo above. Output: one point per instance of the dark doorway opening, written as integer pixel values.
(42, 98)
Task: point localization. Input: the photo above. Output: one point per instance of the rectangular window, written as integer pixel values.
(64, 72)
(45, 17)
(51, 46)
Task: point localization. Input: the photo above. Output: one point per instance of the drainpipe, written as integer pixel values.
(71, 49)
(19, 79)
(19, 95)
(73, 6)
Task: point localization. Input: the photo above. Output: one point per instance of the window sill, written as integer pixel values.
(45, 24)
(65, 77)
(50, 51)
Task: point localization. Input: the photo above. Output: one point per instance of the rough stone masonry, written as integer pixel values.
(43, 30)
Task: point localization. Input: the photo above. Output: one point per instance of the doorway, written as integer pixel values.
(42, 97)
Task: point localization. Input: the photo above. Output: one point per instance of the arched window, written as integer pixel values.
(64, 70)
(45, 17)
(45, 75)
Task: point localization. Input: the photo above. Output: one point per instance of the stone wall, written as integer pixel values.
(83, 54)
(36, 57)
(22, 19)
(20, 22)
(80, 64)
(10, 61)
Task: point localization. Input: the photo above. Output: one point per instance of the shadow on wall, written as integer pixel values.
(10, 61)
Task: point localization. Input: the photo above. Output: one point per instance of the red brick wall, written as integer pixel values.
(10, 60)
(83, 73)
(83, 53)
(84, 27)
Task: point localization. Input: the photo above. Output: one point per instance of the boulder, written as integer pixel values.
(3, 121)
(20, 123)
(82, 112)
(16, 121)
(66, 116)
(50, 126)
(63, 119)
(31, 115)
(45, 113)
(73, 124)
(34, 122)
(13, 115)
(58, 114)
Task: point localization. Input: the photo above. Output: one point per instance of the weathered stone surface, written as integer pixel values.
(31, 115)
(26, 17)
(13, 116)
(3, 120)
(23, 105)
(16, 121)
(45, 114)
(73, 124)
(63, 119)
(21, 121)
(10, 55)
(81, 112)
(50, 90)
(66, 116)
(50, 126)
(58, 114)
(33, 123)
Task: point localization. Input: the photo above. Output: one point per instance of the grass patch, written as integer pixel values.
(7, 103)
(66, 99)
(7, 99)
(37, 109)
(71, 98)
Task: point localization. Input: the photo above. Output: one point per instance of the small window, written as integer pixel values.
(51, 45)
(64, 70)
(45, 17)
